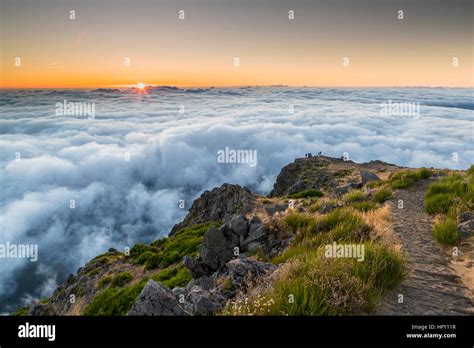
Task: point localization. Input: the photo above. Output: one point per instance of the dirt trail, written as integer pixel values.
(432, 286)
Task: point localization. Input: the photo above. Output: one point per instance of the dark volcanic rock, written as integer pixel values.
(367, 176)
(244, 272)
(40, 309)
(155, 299)
(202, 302)
(340, 190)
(219, 205)
(304, 174)
(218, 247)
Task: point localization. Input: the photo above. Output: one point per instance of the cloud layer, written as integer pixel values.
(126, 170)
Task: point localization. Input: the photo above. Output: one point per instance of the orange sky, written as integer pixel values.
(90, 51)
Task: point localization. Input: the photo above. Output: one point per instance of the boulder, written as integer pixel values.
(276, 208)
(466, 228)
(256, 235)
(466, 216)
(218, 247)
(156, 299)
(243, 272)
(326, 208)
(220, 205)
(239, 225)
(40, 309)
(202, 302)
(340, 190)
(367, 176)
(196, 267)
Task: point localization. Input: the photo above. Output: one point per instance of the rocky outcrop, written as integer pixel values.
(304, 174)
(156, 299)
(466, 224)
(367, 176)
(244, 272)
(219, 205)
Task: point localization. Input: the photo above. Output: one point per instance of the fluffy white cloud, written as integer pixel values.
(173, 156)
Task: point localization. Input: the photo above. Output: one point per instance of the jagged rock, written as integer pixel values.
(239, 225)
(253, 246)
(466, 216)
(326, 208)
(218, 247)
(205, 282)
(220, 205)
(202, 302)
(304, 174)
(155, 299)
(256, 235)
(367, 176)
(466, 228)
(340, 190)
(196, 267)
(276, 208)
(179, 291)
(40, 309)
(255, 223)
(242, 272)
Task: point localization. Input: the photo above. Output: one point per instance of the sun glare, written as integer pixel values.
(140, 85)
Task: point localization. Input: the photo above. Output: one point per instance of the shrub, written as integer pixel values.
(363, 206)
(382, 195)
(327, 286)
(114, 301)
(354, 196)
(23, 311)
(307, 193)
(425, 173)
(173, 276)
(105, 281)
(121, 279)
(446, 232)
(152, 262)
(438, 203)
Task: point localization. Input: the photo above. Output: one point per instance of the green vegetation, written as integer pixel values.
(450, 196)
(20, 312)
(306, 194)
(354, 196)
(450, 190)
(382, 195)
(312, 284)
(173, 276)
(115, 301)
(121, 279)
(363, 205)
(339, 225)
(167, 251)
(446, 232)
(406, 178)
(341, 173)
(105, 281)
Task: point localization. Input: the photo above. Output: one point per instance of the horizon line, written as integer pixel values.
(124, 86)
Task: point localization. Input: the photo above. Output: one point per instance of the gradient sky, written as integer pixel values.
(199, 51)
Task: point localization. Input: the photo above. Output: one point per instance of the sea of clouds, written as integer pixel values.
(171, 138)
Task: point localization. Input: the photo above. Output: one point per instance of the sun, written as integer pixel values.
(140, 85)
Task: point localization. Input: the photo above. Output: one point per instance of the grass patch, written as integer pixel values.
(115, 301)
(354, 196)
(173, 276)
(363, 206)
(311, 284)
(306, 194)
(167, 251)
(382, 195)
(121, 279)
(446, 232)
(23, 311)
